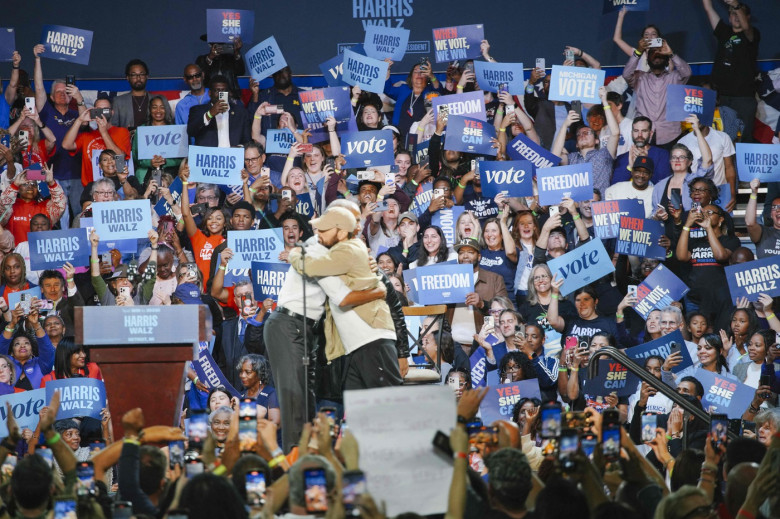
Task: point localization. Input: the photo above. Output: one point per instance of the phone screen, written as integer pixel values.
(354, 486)
(676, 199)
(247, 408)
(610, 442)
(46, 454)
(577, 107)
(193, 468)
(649, 423)
(247, 433)
(197, 430)
(65, 509)
(85, 475)
(255, 487)
(589, 442)
(570, 443)
(316, 490)
(719, 426)
(551, 421)
(176, 453)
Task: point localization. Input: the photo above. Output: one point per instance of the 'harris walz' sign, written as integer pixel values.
(116, 325)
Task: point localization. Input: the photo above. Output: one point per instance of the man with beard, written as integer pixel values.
(219, 123)
(641, 135)
(639, 187)
(132, 109)
(282, 93)
(198, 95)
(650, 87)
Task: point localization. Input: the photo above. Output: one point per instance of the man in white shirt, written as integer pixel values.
(219, 123)
(723, 153)
(639, 187)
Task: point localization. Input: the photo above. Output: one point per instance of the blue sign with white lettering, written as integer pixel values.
(386, 42)
(305, 207)
(471, 104)
(611, 6)
(14, 298)
(685, 100)
(7, 43)
(52, 249)
(162, 207)
(761, 161)
(279, 141)
(575, 83)
(66, 44)
(79, 396)
(319, 104)
(639, 237)
(514, 178)
(421, 151)
(108, 243)
(660, 289)
(25, 406)
(268, 278)
(169, 141)
(445, 219)
(460, 42)
(575, 182)
(249, 246)
(523, 148)
(613, 378)
(724, 395)
(469, 135)
(333, 71)
(444, 284)
(264, 59)
(122, 219)
(208, 373)
(606, 215)
(367, 149)
(491, 75)
(755, 277)
(422, 200)
(662, 347)
(216, 165)
(499, 403)
(225, 25)
(582, 266)
(367, 73)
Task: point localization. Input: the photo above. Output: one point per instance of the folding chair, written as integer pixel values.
(429, 373)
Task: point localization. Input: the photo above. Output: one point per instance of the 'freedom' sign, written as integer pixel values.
(444, 284)
(216, 165)
(78, 397)
(575, 182)
(267, 279)
(661, 288)
(51, 249)
(685, 100)
(761, 161)
(469, 135)
(445, 220)
(606, 215)
(514, 178)
(491, 75)
(122, 219)
(753, 278)
(386, 42)
(523, 148)
(367, 73)
(575, 83)
(461, 42)
(249, 246)
(639, 237)
(582, 266)
(264, 59)
(470, 103)
(169, 141)
(67, 43)
(367, 149)
(225, 25)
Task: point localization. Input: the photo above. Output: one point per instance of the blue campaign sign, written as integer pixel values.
(367, 149)
(108, 243)
(25, 406)
(249, 246)
(15, 297)
(639, 237)
(523, 148)
(661, 288)
(279, 141)
(444, 284)
(78, 397)
(582, 266)
(500, 400)
(268, 278)
(575, 182)
(422, 200)
(662, 347)
(723, 395)
(469, 135)
(264, 59)
(333, 71)
(753, 278)
(478, 363)
(471, 104)
(162, 207)
(445, 219)
(410, 278)
(386, 42)
(606, 215)
(491, 75)
(613, 377)
(169, 141)
(684, 100)
(460, 42)
(52, 249)
(421, 151)
(367, 73)
(319, 104)
(305, 207)
(575, 83)
(7, 43)
(611, 6)
(512, 177)
(225, 25)
(216, 165)
(208, 372)
(122, 219)
(66, 43)
(761, 161)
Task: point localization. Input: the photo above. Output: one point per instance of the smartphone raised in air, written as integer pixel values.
(315, 491)
(255, 487)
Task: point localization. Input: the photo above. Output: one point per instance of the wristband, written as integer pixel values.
(753, 410)
(10, 330)
(668, 437)
(379, 198)
(53, 440)
(155, 248)
(686, 228)
(80, 103)
(461, 185)
(133, 441)
(414, 183)
(209, 116)
(709, 467)
(222, 267)
(575, 370)
(252, 190)
(196, 380)
(575, 217)
(770, 316)
(290, 159)
(501, 212)
(499, 112)
(184, 183)
(15, 67)
(277, 452)
(181, 220)
(274, 462)
(753, 197)
(607, 107)
(68, 279)
(619, 316)
(354, 102)
(256, 117)
(459, 87)
(502, 130)
(563, 370)
(94, 260)
(406, 251)
(460, 456)
(637, 53)
(219, 470)
(554, 296)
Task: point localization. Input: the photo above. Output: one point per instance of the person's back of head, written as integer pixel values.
(510, 479)
(743, 450)
(613, 510)
(297, 481)
(244, 464)
(740, 478)
(207, 496)
(676, 506)
(31, 483)
(687, 468)
(153, 466)
(561, 498)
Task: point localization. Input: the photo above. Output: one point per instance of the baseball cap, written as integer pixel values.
(644, 163)
(410, 215)
(337, 217)
(467, 242)
(188, 293)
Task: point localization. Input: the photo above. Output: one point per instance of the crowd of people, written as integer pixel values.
(269, 441)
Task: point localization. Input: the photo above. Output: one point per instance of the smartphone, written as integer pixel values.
(610, 434)
(676, 199)
(35, 172)
(156, 176)
(65, 507)
(331, 161)
(24, 138)
(696, 206)
(247, 306)
(286, 194)
(333, 420)
(247, 408)
(489, 322)
(227, 48)
(5, 140)
(503, 87)
(122, 510)
(125, 291)
(8, 466)
(192, 468)
(443, 111)
(85, 478)
(223, 96)
(197, 429)
(656, 42)
(765, 380)
(105, 258)
(265, 171)
(553, 210)
(176, 454)
(719, 426)
(568, 54)
(674, 348)
(121, 163)
(29, 103)
(315, 491)
(25, 301)
(747, 425)
(576, 105)
(94, 113)
(649, 424)
(438, 193)
(70, 79)
(540, 64)
(632, 290)
(483, 434)
(577, 420)
(96, 446)
(571, 342)
(551, 420)
(441, 445)
(45, 453)
(255, 487)
(365, 175)
(389, 178)
(306, 148)
(382, 206)
(469, 66)
(247, 433)
(275, 109)
(588, 443)
(568, 447)
(198, 208)
(354, 485)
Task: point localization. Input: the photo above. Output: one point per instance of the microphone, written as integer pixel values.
(300, 244)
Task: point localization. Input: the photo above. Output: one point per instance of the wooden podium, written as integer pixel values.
(142, 352)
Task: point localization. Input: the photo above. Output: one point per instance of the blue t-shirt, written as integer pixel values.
(66, 166)
(497, 262)
(5, 112)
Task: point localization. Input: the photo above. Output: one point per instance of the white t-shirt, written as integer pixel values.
(626, 191)
(721, 146)
(624, 145)
(753, 375)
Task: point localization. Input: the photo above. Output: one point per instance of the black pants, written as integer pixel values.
(373, 365)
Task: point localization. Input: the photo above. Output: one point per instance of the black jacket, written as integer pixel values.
(396, 310)
(227, 350)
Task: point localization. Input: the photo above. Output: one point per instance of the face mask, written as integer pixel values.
(93, 125)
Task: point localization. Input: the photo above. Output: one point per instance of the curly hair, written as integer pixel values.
(522, 361)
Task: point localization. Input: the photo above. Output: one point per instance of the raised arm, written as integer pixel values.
(617, 37)
(189, 220)
(711, 14)
(560, 139)
(13, 83)
(587, 58)
(704, 147)
(40, 92)
(614, 127)
(754, 229)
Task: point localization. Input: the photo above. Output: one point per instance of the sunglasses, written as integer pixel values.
(193, 76)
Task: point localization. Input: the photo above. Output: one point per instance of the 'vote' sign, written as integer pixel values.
(122, 219)
(367, 149)
(582, 266)
(216, 165)
(575, 83)
(461, 42)
(513, 178)
(169, 141)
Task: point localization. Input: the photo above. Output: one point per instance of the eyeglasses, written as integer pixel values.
(699, 190)
(29, 184)
(678, 158)
(710, 212)
(496, 310)
(252, 159)
(137, 75)
(212, 197)
(512, 368)
(104, 193)
(583, 132)
(776, 208)
(193, 76)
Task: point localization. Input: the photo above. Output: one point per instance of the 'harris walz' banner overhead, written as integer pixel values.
(264, 59)
(611, 6)
(66, 43)
(368, 73)
(386, 42)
